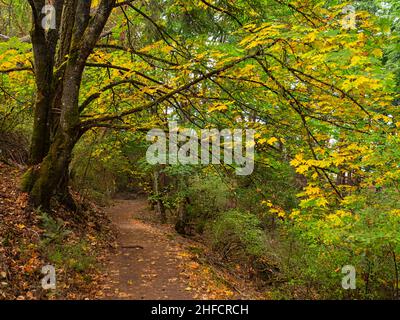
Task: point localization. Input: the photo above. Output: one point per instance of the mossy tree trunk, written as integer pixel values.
(60, 56)
(44, 47)
(52, 176)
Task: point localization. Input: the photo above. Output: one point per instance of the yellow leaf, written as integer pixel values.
(218, 107)
(302, 169)
(297, 160)
(322, 202)
(377, 53)
(272, 141)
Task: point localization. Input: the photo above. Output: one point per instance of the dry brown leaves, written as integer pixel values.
(21, 257)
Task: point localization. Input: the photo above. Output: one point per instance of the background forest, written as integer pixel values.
(318, 84)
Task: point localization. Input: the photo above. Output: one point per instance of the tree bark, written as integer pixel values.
(159, 202)
(183, 220)
(59, 61)
(53, 174)
(43, 66)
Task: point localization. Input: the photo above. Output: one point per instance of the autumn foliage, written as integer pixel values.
(322, 98)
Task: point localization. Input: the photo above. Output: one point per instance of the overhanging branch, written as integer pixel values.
(89, 123)
(16, 69)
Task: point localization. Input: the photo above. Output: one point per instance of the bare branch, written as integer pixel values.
(16, 69)
(123, 3)
(96, 95)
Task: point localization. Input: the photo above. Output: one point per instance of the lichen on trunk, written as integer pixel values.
(52, 177)
(60, 56)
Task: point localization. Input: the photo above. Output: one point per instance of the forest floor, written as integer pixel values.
(76, 243)
(152, 261)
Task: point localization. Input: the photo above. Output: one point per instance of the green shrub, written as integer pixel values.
(318, 247)
(237, 236)
(209, 195)
(72, 256)
(61, 252)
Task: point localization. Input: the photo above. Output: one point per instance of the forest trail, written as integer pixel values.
(148, 263)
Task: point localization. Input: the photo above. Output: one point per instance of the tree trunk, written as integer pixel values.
(43, 51)
(60, 56)
(52, 177)
(159, 202)
(183, 220)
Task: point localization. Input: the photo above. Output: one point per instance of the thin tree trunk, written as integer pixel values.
(159, 203)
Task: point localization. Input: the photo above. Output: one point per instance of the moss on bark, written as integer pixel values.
(28, 179)
(52, 178)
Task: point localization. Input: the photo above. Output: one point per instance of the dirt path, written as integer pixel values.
(147, 263)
